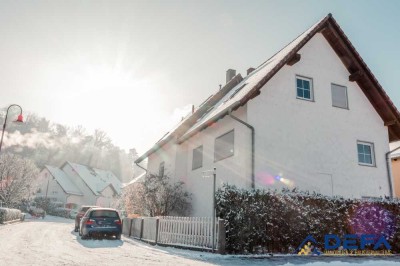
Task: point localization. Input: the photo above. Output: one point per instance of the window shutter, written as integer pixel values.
(339, 96)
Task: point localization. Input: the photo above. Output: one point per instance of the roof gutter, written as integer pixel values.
(389, 171)
(252, 144)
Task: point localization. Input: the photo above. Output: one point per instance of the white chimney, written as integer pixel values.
(230, 73)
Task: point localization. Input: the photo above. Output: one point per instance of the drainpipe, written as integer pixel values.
(252, 144)
(389, 170)
(141, 167)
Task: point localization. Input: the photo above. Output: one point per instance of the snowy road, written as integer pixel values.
(52, 241)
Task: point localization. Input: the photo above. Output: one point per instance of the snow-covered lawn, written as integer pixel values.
(52, 241)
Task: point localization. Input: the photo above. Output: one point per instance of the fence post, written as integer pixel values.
(157, 223)
(221, 236)
(130, 227)
(141, 228)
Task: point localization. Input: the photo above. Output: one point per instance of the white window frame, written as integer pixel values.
(215, 146)
(371, 145)
(347, 96)
(201, 164)
(310, 80)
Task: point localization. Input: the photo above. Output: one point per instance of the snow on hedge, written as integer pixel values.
(278, 221)
(9, 215)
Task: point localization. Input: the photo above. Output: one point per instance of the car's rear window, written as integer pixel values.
(104, 214)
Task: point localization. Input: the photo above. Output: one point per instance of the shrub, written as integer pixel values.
(9, 215)
(279, 221)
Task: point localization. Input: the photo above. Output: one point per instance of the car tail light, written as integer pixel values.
(89, 222)
(118, 222)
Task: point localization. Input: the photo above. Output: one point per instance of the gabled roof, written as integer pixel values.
(139, 178)
(64, 181)
(249, 87)
(97, 180)
(110, 178)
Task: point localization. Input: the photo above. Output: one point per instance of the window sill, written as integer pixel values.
(305, 99)
(369, 165)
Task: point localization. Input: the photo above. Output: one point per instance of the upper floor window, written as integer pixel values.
(161, 169)
(339, 96)
(197, 157)
(224, 146)
(366, 154)
(304, 88)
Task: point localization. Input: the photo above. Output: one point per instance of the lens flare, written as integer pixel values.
(369, 218)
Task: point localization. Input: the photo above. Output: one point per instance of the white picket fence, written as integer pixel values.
(191, 232)
(187, 231)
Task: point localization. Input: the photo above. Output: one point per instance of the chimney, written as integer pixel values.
(230, 73)
(251, 69)
(192, 108)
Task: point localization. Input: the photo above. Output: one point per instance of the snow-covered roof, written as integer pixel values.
(96, 179)
(139, 178)
(110, 177)
(62, 178)
(232, 97)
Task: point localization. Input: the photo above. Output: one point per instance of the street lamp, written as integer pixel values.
(19, 120)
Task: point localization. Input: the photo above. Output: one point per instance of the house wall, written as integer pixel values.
(166, 154)
(88, 197)
(396, 176)
(234, 170)
(54, 190)
(107, 197)
(311, 143)
(75, 199)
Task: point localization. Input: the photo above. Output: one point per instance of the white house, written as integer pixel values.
(74, 185)
(312, 116)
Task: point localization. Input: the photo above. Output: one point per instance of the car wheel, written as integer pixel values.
(118, 236)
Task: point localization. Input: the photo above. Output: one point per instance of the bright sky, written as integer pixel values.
(133, 68)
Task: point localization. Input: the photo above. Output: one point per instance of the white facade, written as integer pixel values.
(74, 187)
(312, 143)
(308, 144)
(88, 197)
(50, 188)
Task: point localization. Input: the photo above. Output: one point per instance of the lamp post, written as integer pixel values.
(19, 120)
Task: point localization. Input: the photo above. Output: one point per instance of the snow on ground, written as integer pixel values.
(52, 241)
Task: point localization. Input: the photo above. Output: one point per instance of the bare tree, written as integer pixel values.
(158, 196)
(17, 177)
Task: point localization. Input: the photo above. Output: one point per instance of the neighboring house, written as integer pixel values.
(75, 185)
(313, 116)
(395, 159)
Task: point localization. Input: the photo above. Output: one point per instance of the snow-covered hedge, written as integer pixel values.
(271, 221)
(9, 215)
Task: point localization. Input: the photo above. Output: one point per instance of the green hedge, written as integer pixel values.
(10, 215)
(271, 221)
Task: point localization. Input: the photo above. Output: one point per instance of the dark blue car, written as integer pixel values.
(100, 222)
